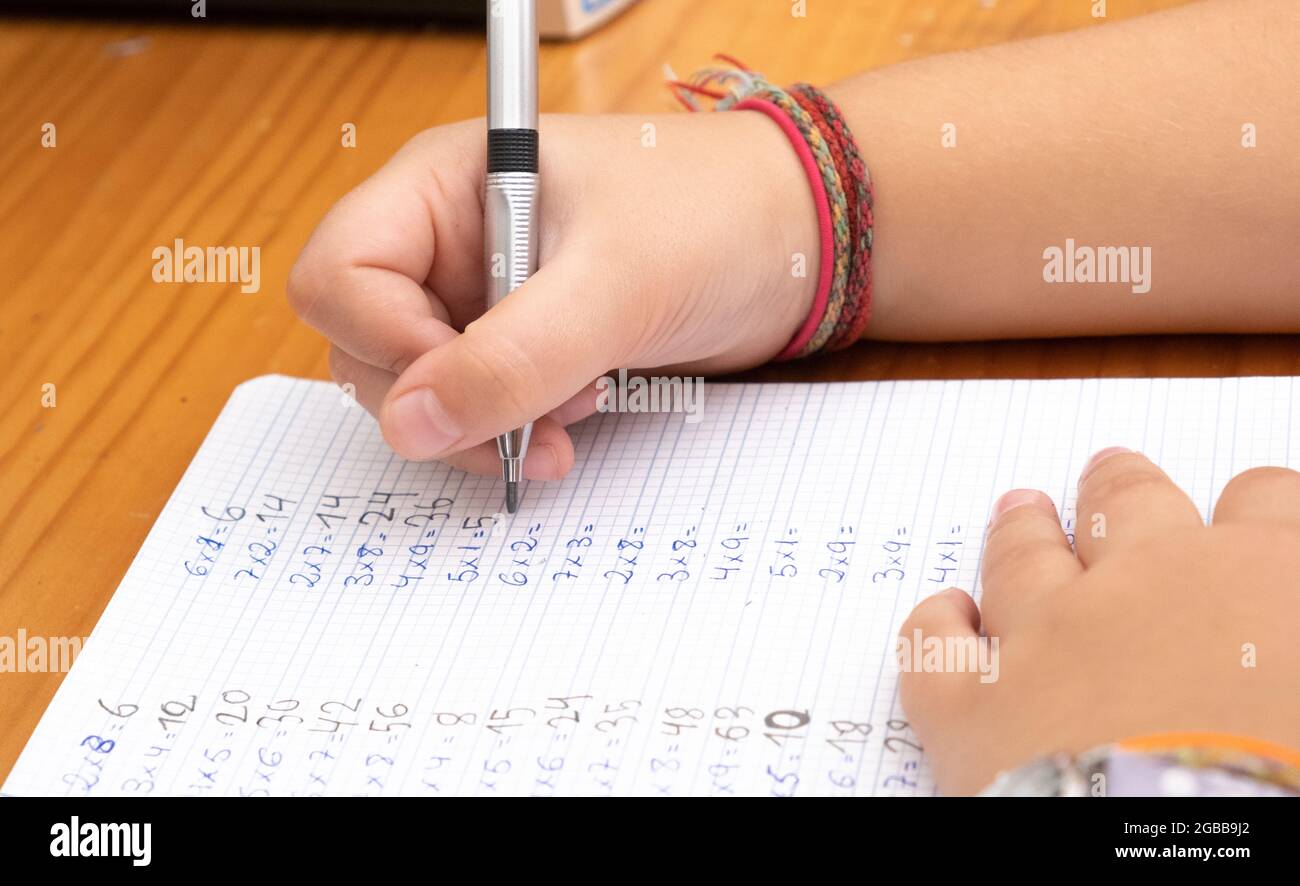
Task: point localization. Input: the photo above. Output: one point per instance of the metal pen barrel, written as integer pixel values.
(510, 201)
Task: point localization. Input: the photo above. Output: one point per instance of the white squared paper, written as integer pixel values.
(697, 609)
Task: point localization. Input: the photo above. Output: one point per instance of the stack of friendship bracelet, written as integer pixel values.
(841, 189)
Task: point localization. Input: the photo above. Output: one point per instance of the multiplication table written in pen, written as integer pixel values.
(679, 616)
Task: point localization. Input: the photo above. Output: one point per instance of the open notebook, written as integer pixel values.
(701, 608)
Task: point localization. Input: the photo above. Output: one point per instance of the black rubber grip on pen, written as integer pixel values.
(512, 150)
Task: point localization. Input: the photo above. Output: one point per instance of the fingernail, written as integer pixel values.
(1100, 457)
(542, 463)
(1015, 498)
(418, 426)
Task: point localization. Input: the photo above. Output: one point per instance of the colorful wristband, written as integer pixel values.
(826, 272)
(842, 195)
(1173, 764)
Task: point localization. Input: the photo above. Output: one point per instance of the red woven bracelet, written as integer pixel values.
(826, 273)
(842, 195)
(852, 172)
(861, 195)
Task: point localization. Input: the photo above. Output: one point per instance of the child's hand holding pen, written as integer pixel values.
(675, 255)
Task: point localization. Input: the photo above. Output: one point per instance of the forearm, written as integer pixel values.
(1126, 135)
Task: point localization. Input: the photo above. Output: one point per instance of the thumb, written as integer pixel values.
(527, 355)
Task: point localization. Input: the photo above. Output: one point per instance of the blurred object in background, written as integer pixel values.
(562, 19)
(567, 19)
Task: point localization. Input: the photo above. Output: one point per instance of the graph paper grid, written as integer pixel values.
(697, 609)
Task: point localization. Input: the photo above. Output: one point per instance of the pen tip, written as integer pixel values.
(512, 496)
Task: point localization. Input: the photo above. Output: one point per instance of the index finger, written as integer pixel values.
(367, 278)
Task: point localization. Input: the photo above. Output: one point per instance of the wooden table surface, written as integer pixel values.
(229, 135)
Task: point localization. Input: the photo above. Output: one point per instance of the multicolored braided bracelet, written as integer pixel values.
(842, 195)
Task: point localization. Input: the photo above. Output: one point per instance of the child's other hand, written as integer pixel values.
(1155, 623)
(665, 242)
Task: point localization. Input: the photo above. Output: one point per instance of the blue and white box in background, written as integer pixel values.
(569, 19)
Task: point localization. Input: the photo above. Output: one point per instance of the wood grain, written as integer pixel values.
(229, 135)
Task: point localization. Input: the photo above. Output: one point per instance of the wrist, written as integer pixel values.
(840, 187)
(787, 255)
